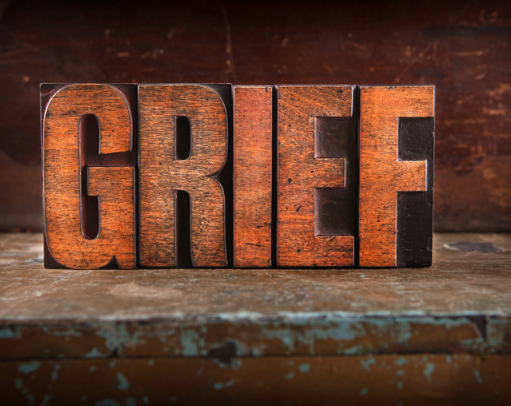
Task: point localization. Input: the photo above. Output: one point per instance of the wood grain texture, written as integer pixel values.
(162, 174)
(460, 47)
(376, 337)
(69, 178)
(300, 173)
(382, 174)
(416, 379)
(252, 176)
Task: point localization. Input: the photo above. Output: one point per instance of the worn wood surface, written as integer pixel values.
(461, 47)
(163, 173)
(468, 280)
(252, 175)
(256, 336)
(384, 380)
(382, 173)
(89, 210)
(301, 173)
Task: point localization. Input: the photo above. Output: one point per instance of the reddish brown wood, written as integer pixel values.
(382, 175)
(69, 178)
(461, 47)
(162, 173)
(409, 379)
(300, 173)
(252, 175)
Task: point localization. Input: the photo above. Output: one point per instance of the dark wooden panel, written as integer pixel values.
(462, 47)
(252, 176)
(89, 210)
(163, 173)
(382, 173)
(420, 379)
(300, 240)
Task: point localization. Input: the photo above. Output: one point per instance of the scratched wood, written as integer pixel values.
(390, 336)
(163, 172)
(382, 174)
(252, 175)
(418, 379)
(301, 173)
(89, 209)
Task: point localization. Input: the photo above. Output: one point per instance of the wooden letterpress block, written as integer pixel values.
(89, 178)
(310, 179)
(252, 175)
(183, 148)
(396, 155)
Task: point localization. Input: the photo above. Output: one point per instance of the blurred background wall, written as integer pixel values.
(463, 47)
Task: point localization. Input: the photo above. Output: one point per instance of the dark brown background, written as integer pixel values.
(463, 47)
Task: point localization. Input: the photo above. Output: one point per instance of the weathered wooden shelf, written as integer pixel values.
(266, 336)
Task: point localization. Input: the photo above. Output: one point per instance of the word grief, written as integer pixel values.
(220, 175)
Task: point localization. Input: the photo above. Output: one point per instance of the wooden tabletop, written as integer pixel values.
(460, 307)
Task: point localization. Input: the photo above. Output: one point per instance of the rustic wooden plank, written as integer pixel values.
(383, 174)
(241, 335)
(57, 313)
(420, 379)
(252, 175)
(463, 264)
(163, 173)
(89, 209)
(301, 172)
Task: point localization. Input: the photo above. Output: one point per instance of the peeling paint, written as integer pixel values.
(478, 377)
(289, 376)
(364, 391)
(191, 343)
(18, 384)
(401, 361)
(366, 363)
(117, 337)
(95, 353)
(400, 372)
(6, 332)
(428, 370)
(55, 372)
(220, 385)
(123, 382)
(29, 367)
(304, 368)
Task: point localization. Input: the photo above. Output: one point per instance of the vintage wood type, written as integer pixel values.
(83, 231)
(302, 172)
(166, 169)
(384, 173)
(252, 175)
